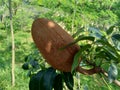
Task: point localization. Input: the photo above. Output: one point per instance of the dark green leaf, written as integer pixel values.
(111, 54)
(43, 80)
(119, 28)
(110, 30)
(26, 58)
(112, 73)
(116, 40)
(80, 38)
(68, 78)
(29, 74)
(98, 49)
(34, 63)
(48, 78)
(58, 83)
(101, 55)
(116, 36)
(25, 66)
(90, 38)
(36, 81)
(77, 57)
(108, 46)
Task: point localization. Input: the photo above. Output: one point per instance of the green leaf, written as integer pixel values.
(48, 79)
(86, 87)
(26, 58)
(110, 30)
(100, 56)
(77, 57)
(111, 54)
(40, 2)
(90, 38)
(43, 80)
(34, 64)
(68, 78)
(116, 37)
(95, 32)
(58, 83)
(80, 38)
(116, 40)
(25, 66)
(36, 82)
(78, 32)
(112, 73)
(108, 46)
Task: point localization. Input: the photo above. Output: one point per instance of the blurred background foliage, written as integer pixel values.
(72, 15)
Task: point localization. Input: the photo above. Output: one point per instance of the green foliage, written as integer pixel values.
(82, 19)
(100, 51)
(25, 66)
(77, 57)
(68, 78)
(112, 73)
(96, 48)
(43, 80)
(48, 79)
(20, 75)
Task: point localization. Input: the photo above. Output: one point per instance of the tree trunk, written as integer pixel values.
(13, 46)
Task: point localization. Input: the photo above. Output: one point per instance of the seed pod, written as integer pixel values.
(49, 37)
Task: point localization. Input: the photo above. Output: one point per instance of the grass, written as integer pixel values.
(21, 79)
(22, 48)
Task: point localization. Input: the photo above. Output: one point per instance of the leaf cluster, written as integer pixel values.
(48, 79)
(99, 48)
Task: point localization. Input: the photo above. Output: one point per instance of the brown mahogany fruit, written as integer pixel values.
(49, 37)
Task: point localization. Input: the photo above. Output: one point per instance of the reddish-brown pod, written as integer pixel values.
(49, 37)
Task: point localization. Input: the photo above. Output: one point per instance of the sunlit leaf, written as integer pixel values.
(40, 2)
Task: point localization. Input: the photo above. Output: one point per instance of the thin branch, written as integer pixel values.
(91, 71)
(95, 70)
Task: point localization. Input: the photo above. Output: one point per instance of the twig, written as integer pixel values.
(96, 70)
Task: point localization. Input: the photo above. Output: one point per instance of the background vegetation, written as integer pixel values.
(72, 15)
